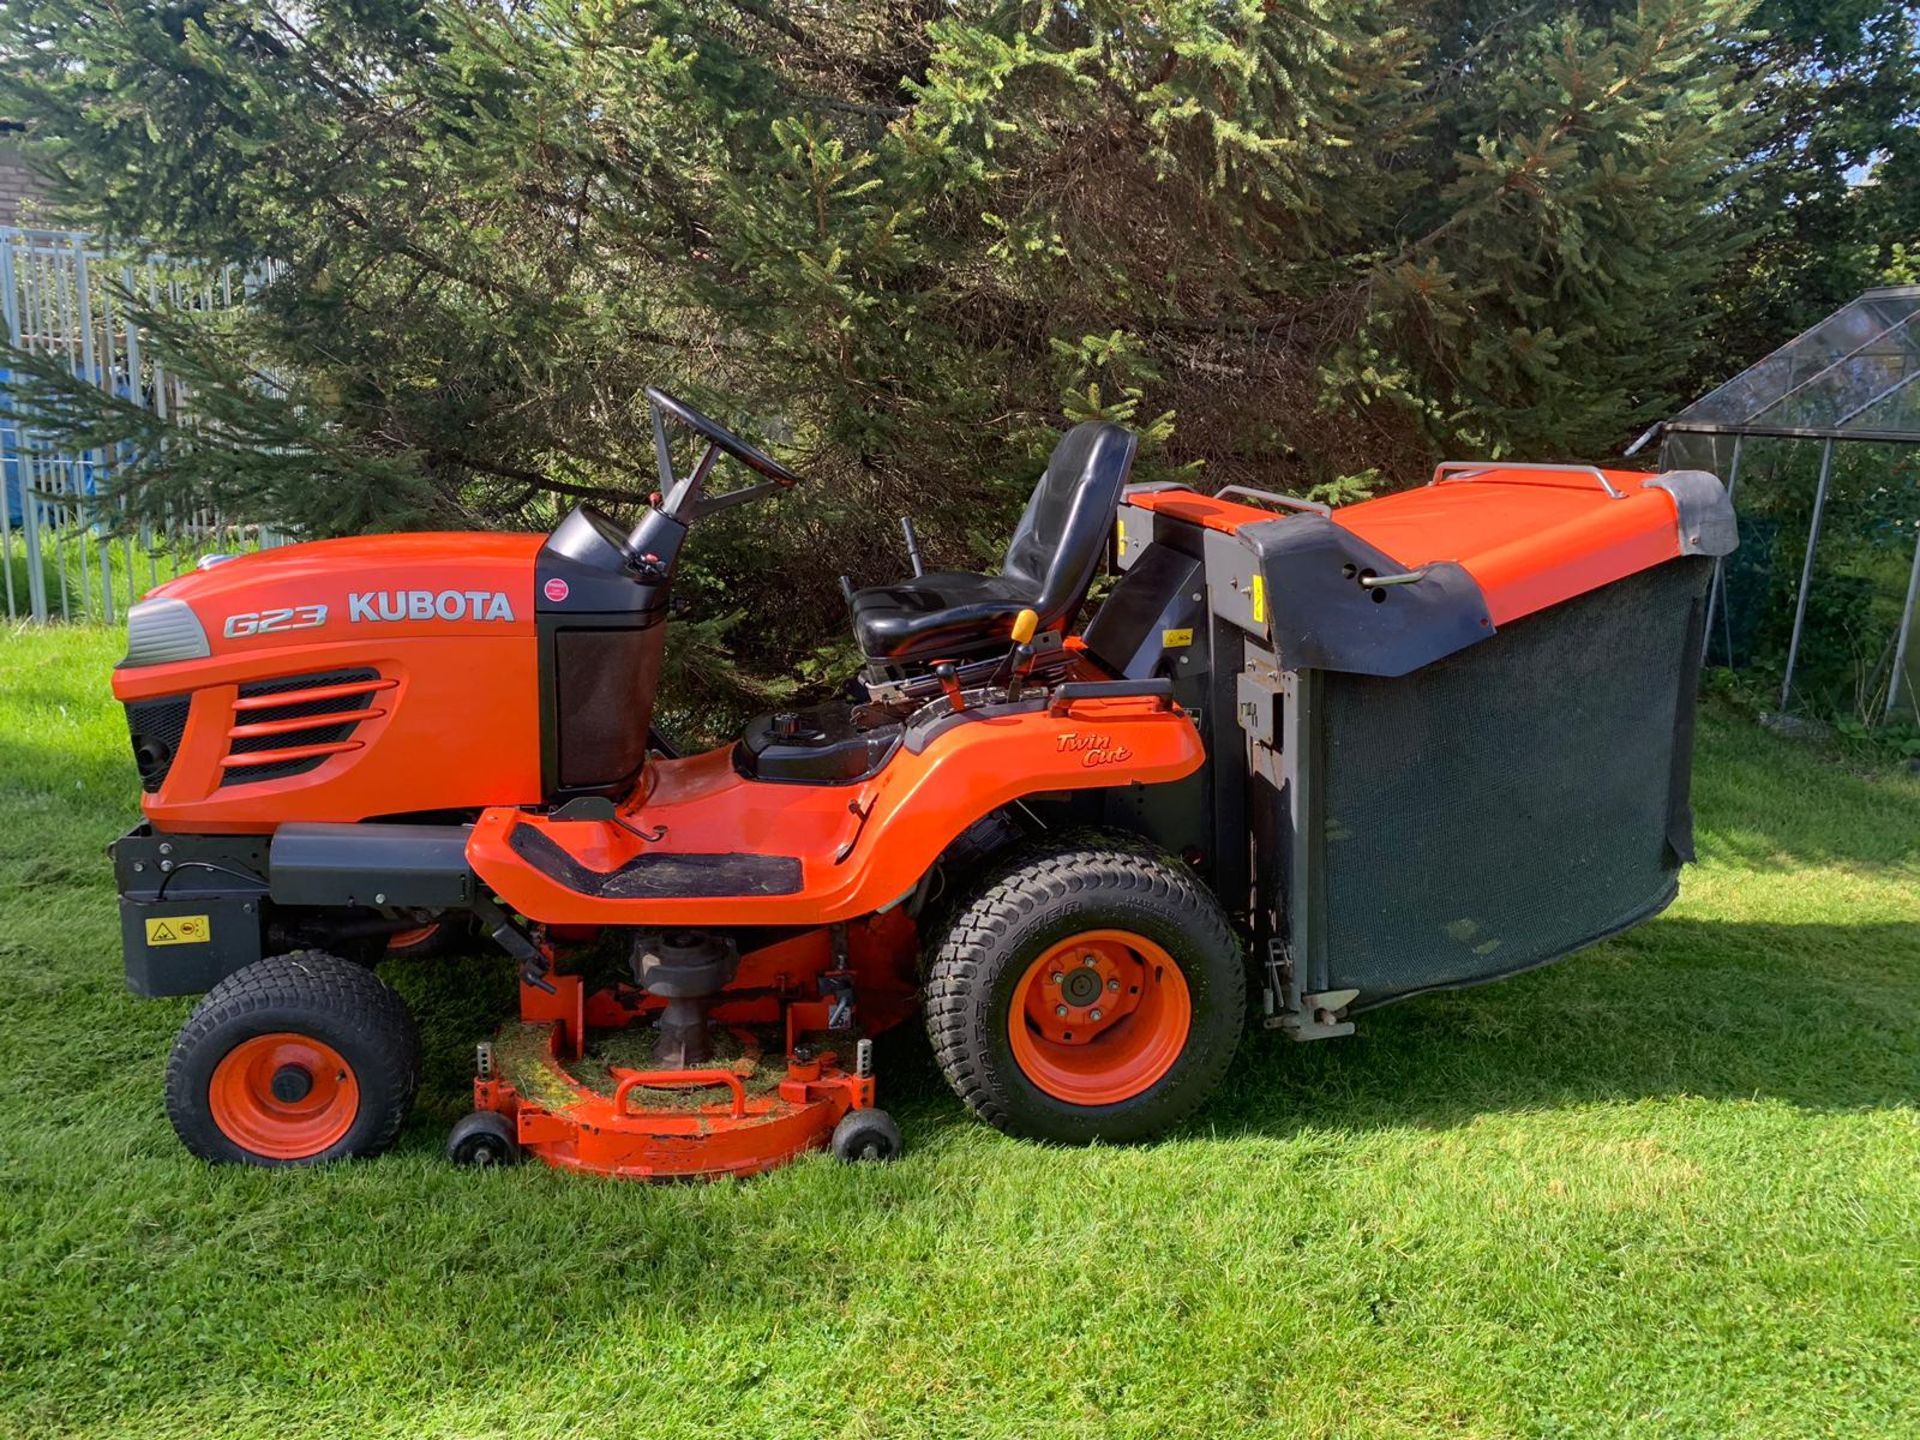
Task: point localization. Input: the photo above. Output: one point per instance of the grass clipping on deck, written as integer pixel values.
(524, 1058)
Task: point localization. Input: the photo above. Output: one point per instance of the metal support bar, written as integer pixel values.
(1900, 648)
(1806, 572)
(1886, 394)
(913, 545)
(1716, 588)
(1472, 469)
(1789, 432)
(1407, 577)
(1285, 502)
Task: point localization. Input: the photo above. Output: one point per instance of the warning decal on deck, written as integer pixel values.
(179, 930)
(1176, 639)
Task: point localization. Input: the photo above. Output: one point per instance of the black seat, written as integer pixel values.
(1050, 563)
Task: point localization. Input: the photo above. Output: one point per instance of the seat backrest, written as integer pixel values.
(1056, 547)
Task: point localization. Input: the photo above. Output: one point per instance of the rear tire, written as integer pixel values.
(1092, 989)
(294, 1060)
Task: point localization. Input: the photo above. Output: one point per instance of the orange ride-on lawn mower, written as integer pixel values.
(1332, 758)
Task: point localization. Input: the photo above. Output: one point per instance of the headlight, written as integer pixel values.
(159, 631)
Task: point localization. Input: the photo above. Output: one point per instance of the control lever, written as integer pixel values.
(913, 545)
(943, 672)
(535, 965)
(1024, 626)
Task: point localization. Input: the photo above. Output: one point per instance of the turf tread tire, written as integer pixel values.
(312, 992)
(1049, 889)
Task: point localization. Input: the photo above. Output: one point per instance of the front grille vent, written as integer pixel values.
(296, 724)
(155, 727)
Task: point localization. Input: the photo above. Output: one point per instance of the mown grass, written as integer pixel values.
(1669, 1188)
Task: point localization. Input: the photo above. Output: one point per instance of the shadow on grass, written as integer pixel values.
(1823, 1017)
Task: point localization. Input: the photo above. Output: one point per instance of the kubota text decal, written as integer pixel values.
(429, 605)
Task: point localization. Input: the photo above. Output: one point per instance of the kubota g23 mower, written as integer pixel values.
(1329, 757)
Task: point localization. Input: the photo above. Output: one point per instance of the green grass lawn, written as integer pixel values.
(1671, 1187)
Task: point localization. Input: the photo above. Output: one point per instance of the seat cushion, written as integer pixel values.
(945, 616)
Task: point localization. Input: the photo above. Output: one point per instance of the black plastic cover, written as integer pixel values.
(407, 866)
(1323, 618)
(600, 607)
(586, 567)
(1158, 606)
(815, 746)
(192, 908)
(186, 945)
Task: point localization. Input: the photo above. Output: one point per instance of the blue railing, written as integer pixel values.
(66, 548)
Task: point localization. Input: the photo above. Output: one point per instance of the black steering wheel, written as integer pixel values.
(755, 460)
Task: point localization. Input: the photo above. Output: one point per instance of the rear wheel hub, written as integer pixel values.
(1100, 1017)
(1082, 986)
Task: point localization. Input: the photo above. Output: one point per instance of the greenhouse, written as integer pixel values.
(1819, 444)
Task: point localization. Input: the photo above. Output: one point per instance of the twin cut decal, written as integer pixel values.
(1093, 749)
(429, 605)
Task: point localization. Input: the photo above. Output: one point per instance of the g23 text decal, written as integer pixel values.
(264, 622)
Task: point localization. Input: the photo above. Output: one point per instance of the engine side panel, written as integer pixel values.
(344, 680)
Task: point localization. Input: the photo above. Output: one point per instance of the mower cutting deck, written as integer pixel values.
(1337, 756)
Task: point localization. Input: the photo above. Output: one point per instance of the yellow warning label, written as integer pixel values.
(1259, 599)
(179, 930)
(1175, 639)
(1120, 536)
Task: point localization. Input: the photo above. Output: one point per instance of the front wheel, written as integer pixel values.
(1092, 989)
(293, 1060)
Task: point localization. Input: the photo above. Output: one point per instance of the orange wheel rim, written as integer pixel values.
(285, 1096)
(1100, 1017)
(419, 935)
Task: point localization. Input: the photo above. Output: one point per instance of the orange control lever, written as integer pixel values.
(1025, 624)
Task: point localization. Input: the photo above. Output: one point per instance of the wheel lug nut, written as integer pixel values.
(1058, 977)
(1113, 984)
(1061, 1011)
(1088, 960)
(1095, 1015)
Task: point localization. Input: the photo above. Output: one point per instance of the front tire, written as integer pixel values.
(866, 1135)
(484, 1138)
(294, 1060)
(1091, 990)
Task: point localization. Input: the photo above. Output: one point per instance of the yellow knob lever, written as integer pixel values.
(1024, 624)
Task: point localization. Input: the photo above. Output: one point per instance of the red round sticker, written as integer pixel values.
(556, 589)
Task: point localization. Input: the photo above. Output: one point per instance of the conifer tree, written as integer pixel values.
(1292, 241)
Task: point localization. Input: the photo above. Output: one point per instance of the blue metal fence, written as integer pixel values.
(65, 550)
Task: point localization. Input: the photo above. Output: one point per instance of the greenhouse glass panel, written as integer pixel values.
(1854, 375)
